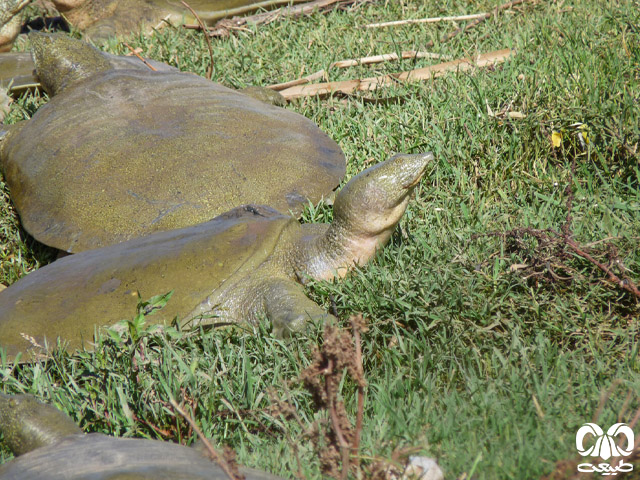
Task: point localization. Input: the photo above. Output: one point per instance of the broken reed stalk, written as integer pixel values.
(139, 57)
(425, 20)
(350, 86)
(215, 456)
(385, 58)
(208, 39)
(300, 81)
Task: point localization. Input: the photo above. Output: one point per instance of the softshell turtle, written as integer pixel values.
(238, 267)
(101, 19)
(50, 446)
(119, 153)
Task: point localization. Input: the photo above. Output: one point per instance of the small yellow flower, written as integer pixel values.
(556, 139)
(583, 132)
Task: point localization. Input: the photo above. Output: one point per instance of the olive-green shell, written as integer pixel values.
(70, 296)
(99, 457)
(125, 153)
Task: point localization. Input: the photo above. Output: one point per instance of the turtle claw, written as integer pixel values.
(289, 309)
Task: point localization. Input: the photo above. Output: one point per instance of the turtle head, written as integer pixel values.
(373, 202)
(27, 423)
(365, 213)
(62, 61)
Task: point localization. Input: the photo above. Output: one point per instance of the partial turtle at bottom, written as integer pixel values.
(120, 153)
(50, 446)
(240, 267)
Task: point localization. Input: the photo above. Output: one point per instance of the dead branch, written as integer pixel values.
(626, 283)
(556, 242)
(549, 238)
(367, 84)
(425, 20)
(208, 39)
(385, 58)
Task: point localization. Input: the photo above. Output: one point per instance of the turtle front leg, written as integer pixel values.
(288, 308)
(248, 300)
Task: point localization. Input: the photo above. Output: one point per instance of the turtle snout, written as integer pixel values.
(414, 167)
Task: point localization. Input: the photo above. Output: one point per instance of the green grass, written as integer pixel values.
(483, 367)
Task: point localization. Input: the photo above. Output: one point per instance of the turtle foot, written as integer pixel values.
(289, 309)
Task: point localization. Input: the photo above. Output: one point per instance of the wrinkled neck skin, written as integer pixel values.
(325, 252)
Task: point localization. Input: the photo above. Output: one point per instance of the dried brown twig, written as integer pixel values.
(336, 441)
(134, 52)
(555, 242)
(300, 81)
(208, 39)
(350, 63)
(297, 88)
(357, 325)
